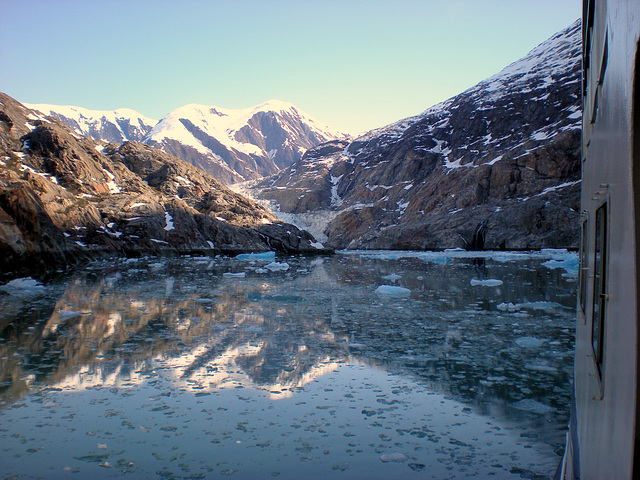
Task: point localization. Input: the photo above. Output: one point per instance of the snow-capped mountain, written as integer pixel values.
(109, 125)
(232, 145)
(242, 144)
(504, 155)
(65, 199)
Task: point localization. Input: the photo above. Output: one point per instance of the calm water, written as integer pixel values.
(362, 365)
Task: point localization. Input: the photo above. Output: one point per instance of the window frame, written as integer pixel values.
(599, 297)
(583, 269)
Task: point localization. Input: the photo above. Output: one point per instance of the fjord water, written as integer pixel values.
(357, 365)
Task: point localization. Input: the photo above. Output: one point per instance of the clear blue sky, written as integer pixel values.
(353, 64)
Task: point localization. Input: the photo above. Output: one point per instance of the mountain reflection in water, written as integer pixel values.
(492, 333)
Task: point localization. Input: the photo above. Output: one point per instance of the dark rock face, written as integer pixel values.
(63, 201)
(504, 154)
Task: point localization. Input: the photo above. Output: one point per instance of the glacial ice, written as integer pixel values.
(545, 306)
(393, 291)
(23, 287)
(488, 282)
(394, 457)
(392, 277)
(262, 256)
(507, 307)
(570, 264)
(277, 266)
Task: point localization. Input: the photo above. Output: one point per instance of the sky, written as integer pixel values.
(352, 64)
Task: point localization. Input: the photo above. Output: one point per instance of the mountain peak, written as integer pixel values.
(232, 144)
(240, 144)
(120, 125)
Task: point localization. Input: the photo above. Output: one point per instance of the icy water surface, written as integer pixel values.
(366, 365)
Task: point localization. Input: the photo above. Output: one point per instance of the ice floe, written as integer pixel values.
(254, 257)
(487, 282)
(393, 291)
(276, 266)
(394, 457)
(23, 287)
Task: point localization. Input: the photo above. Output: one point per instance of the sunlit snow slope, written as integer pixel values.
(232, 145)
(242, 144)
(111, 126)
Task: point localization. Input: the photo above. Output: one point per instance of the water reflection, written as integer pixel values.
(494, 333)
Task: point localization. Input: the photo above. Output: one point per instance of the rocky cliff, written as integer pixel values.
(497, 166)
(65, 199)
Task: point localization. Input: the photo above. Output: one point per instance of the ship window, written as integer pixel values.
(596, 101)
(599, 284)
(588, 14)
(582, 281)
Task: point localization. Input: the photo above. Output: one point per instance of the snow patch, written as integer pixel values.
(168, 219)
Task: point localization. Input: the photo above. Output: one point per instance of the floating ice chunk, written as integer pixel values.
(554, 251)
(436, 257)
(275, 266)
(265, 256)
(394, 457)
(545, 306)
(392, 277)
(234, 274)
(529, 342)
(533, 406)
(393, 291)
(507, 307)
(569, 264)
(488, 282)
(23, 287)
